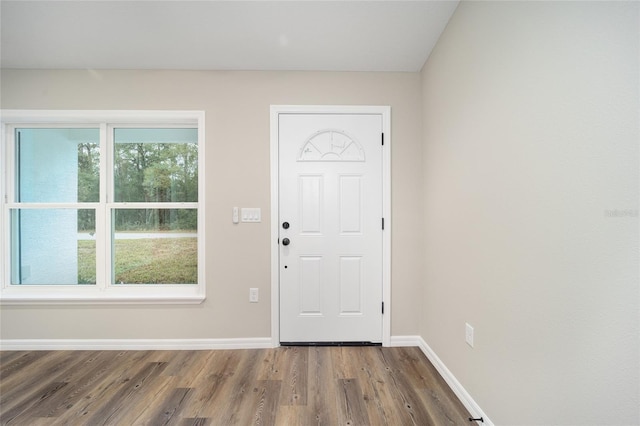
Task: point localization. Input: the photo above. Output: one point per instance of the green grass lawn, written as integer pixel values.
(86, 262)
(145, 261)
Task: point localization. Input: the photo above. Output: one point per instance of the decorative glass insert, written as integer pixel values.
(331, 145)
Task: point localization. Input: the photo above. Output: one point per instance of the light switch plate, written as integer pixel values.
(253, 295)
(251, 214)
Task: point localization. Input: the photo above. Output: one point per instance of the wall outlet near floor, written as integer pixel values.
(253, 295)
(468, 334)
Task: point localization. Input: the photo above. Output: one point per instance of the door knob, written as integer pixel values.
(285, 242)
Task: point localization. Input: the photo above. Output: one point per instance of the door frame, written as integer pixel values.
(385, 112)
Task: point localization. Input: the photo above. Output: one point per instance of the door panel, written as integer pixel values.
(311, 190)
(330, 189)
(350, 205)
(309, 284)
(351, 285)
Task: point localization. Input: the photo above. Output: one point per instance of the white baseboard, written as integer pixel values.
(448, 377)
(134, 344)
(398, 341)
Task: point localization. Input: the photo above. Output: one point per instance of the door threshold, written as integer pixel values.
(330, 344)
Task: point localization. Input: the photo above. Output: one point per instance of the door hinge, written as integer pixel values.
(382, 135)
(383, 223)
(383, 307)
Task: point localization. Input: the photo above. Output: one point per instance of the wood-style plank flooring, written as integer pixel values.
(282, 386)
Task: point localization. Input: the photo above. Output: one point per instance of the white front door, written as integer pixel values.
(330, 227)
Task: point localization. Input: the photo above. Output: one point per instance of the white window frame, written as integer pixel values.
(102, 292)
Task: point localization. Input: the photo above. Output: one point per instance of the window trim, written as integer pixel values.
(103, 293)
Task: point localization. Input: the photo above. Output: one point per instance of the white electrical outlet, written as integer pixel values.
(253, 295)
(468, 334)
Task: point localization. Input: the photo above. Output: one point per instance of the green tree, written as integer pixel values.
(156, 172)
(88, 183)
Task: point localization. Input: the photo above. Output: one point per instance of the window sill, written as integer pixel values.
(90, 295)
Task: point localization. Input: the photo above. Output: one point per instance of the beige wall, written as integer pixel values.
(531, 137)
(237, 130)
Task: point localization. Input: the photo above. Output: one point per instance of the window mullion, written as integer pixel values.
(6, 153)
(10, 160)
(103, 252)
(153, 205)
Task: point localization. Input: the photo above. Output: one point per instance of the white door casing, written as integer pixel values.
(330, 183)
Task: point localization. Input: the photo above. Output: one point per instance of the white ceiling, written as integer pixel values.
(221, 35)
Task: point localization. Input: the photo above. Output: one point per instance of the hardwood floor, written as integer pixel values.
(283, 386)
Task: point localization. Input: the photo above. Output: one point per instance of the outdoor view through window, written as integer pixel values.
(143, 221)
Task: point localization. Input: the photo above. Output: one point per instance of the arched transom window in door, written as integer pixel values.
(331, 145)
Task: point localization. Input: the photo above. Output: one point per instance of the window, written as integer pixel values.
(102, 207)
